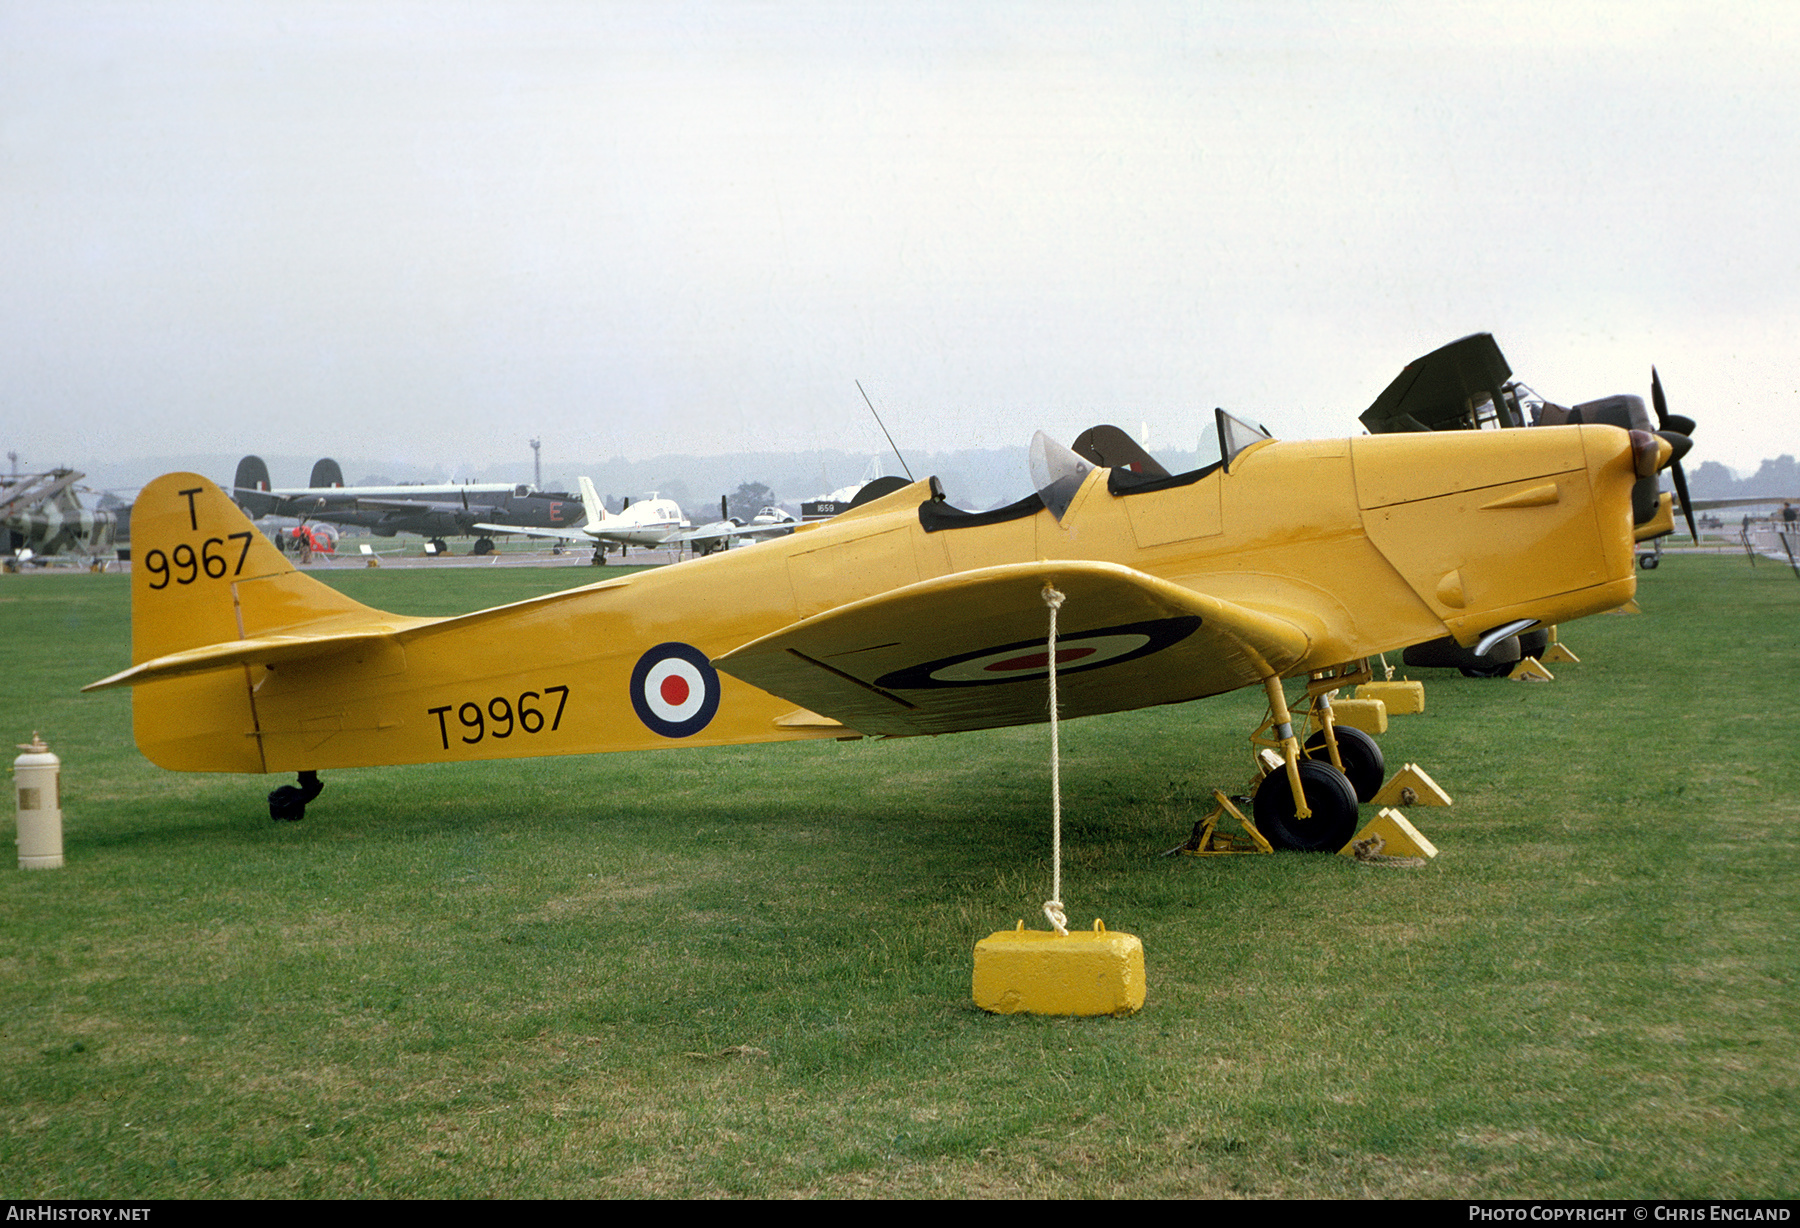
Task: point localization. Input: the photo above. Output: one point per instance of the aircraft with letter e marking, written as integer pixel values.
(905, 615)
(435, 512)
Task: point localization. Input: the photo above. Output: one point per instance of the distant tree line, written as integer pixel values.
(1778, 478)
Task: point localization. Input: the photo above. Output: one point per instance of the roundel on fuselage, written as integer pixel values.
(675, 690)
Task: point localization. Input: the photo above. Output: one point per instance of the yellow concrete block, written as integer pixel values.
(1388, 835)
(1368, 715)
(1402, 698)
(1410, 786)
(1085, 972)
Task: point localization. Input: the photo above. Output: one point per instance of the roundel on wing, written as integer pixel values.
(675, 690)
(1084, 650)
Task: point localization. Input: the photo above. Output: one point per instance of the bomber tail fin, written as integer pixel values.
(325, 472)
(249, 487)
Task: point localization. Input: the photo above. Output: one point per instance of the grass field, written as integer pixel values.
(746, 972)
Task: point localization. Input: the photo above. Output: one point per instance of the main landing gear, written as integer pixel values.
(1304, 798)
(1307, 797)
(288, 803)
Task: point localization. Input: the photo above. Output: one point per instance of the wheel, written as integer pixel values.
(1648, 561)
(437, 544)
(1486, 671)
(483, 545)
(1328, 794)
(1364, 763)
(288, 803)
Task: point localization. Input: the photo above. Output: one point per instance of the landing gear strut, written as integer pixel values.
(289, 802)
(1305, 801)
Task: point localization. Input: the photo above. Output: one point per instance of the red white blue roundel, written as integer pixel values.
(675, 690)
(1031, 658)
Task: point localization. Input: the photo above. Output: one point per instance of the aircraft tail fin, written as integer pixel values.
(326, 472)
(252, 477)
(205, 574)
(252, 474)
(204, 577)
(596, 510)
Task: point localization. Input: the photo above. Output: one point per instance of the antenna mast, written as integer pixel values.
(884, 431)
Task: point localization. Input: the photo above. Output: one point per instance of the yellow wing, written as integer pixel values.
(967, 651)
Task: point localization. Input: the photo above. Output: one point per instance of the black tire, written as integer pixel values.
(1486, 671)
(1648, 561)
(483, 545)
(1328, 794)
(1364, 763)
(442, 549)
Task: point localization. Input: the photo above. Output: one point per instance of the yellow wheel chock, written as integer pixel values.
(1410, 786)
(1558, 651)
(1209, 841)
(1530, 669)
(1389, 839)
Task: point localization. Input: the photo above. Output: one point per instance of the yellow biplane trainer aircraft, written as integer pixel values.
(905, 615)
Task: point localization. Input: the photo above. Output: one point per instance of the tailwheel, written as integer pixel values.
(1363, 761)
(288, 803)
(1330, 797)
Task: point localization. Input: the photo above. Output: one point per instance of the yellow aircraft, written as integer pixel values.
(905, 615)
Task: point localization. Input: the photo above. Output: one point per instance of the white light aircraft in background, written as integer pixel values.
(648, 522)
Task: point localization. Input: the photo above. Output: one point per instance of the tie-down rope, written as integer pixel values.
(1053, 907)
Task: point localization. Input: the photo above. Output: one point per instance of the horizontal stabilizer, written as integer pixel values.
(324, 640)
(268, 650)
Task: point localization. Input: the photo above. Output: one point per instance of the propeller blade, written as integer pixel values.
(1687, 506)
(1672, 428)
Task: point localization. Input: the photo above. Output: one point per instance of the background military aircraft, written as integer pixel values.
(41, 515)
(433, 511)
(1468, 385)
(728, 531)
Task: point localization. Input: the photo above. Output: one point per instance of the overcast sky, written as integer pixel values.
(427, 232)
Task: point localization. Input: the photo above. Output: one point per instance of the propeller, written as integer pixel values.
(1678, 430)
